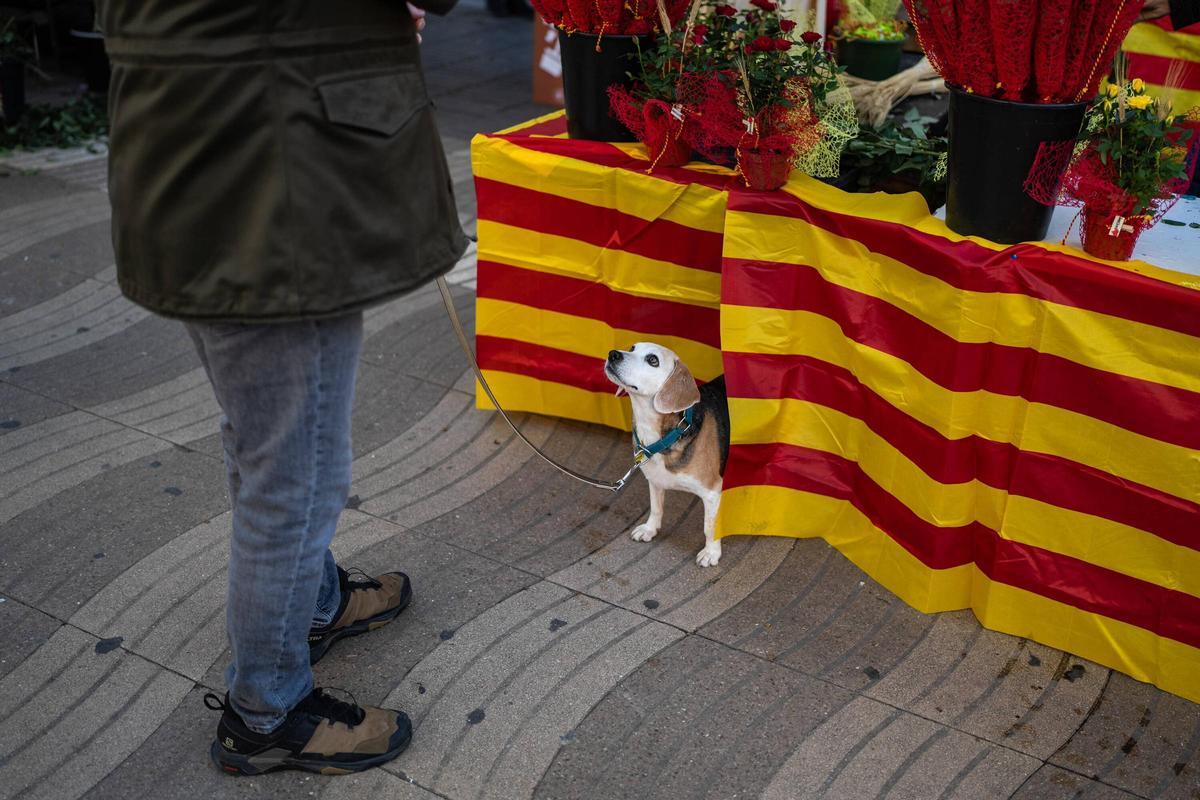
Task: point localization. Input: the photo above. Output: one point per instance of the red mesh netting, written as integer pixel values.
(1087, 182)
(720, 127)
(657, 124)
(1034, 51)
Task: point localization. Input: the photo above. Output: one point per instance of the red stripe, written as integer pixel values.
(1154, 69)
(591, 300)
(1166, 612)
(608, 228)
(1167, 413)
(1046, 478)
(542, 363)
(1021, 269)
(607, 155)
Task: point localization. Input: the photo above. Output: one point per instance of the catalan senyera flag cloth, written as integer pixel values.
(582, 252)
(1154, 50)
(1014, 430)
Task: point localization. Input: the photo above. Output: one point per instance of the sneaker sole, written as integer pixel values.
(275, 760)
(317, 651)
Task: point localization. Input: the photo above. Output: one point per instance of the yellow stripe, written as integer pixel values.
(911, 211)
(587, 337)
(1090, 338)
(1153, 40)
(616, 269)
(772, 510)
(776, 511)
(521, 126)
(1112, 545)
(522, 393)
(633, 193)
(1031, 426)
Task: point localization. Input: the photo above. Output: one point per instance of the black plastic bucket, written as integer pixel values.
(12, 90)
(587, 74)
(993, 144)
(869, 59)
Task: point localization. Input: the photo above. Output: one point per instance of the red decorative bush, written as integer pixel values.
(1031, 51)
(609, 17)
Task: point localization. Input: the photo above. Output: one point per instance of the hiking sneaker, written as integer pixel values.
(321, 734)
(367, 603)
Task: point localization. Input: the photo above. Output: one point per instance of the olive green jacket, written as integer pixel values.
(272, 159)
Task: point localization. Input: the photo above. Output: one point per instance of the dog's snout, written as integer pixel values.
(614, 356)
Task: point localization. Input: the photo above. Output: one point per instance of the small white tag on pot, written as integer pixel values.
(1117, 225)
(677, 112)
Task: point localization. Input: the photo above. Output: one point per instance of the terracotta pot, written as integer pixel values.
(1098, 242)
(764, 171)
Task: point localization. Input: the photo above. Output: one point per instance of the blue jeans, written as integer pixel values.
(286, 390)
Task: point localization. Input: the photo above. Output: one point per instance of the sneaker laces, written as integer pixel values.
(366, 582)
(323, 704)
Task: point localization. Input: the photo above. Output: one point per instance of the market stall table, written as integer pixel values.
(1014, 430)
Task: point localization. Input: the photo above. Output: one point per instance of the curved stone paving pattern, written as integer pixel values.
(547, 655)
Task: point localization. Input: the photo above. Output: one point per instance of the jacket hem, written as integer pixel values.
(165, 308)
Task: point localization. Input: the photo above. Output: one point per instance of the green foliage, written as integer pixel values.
(13, 46)
(82, 121)
(662, 64)
(1139, 139)
(894, 149)
(869, 12)
(888, 30)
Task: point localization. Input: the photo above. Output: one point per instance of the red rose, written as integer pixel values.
(748, 49)
(765, 5)
(763, 44)
(810, 37)
(727, 11)
(786, 25)
(783, 44)
(698, 34)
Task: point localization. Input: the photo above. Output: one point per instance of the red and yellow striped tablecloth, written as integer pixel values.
(1012, 430)
(581, 252)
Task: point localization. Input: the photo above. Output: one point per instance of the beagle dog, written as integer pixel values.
(683, 430)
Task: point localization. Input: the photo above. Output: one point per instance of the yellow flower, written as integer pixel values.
(1113, 91)
(1108, 105)
(1139, 85)
(1140, 101)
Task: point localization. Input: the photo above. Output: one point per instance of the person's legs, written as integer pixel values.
(287, 391)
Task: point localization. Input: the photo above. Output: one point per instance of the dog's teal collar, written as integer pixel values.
(643, 452)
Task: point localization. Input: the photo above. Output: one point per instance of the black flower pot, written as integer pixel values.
(870, 59)
(591, 64)
(12, 90)
(993, 144)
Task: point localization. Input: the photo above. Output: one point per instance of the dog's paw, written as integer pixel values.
(644, 533)
(710, 555)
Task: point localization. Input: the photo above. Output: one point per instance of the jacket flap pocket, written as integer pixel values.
(381, 103)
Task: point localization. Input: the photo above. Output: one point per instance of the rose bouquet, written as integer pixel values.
(772, 100)
(1131, 163)
(651, 107)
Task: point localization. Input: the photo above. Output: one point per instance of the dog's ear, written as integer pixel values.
(678, 393)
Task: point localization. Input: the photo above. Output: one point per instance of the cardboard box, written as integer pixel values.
(547, 65)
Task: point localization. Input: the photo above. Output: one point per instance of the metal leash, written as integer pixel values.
(638, 461)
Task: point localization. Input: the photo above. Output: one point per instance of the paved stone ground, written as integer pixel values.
(546, 655)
